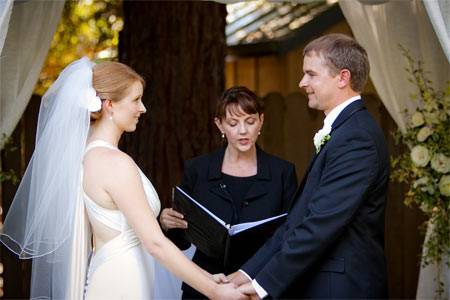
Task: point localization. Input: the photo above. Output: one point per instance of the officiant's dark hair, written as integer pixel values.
(342, 52)
(238, 96)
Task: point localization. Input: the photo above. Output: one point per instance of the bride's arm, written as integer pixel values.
(123, 183)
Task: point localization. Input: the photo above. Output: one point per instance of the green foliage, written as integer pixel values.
(426, 165)
(8, 147)
(87, 28)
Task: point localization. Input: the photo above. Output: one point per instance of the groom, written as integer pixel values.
(331, 245)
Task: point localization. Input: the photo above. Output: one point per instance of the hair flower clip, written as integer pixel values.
(93, 102)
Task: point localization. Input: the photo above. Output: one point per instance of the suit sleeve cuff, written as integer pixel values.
(259, 289)
(246, 275)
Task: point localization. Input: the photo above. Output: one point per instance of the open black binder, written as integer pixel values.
(215, 238)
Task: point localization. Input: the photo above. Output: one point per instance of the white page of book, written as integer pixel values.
(243, 226)
(205, 209)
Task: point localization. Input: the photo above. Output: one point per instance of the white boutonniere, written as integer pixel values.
(321, 137)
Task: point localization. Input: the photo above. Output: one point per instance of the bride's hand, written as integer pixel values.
(170, 219)
(228, 291)
(220, 278)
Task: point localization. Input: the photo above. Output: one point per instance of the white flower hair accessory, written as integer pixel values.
(321, 137)
(93, 102)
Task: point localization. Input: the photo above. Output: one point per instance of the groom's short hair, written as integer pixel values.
(342, 52)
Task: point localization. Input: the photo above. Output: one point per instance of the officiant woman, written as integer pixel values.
(238, 182)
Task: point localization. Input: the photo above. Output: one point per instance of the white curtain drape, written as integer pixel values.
(27, 37)
(439, 14)
(380, 26)
(5, 14)
(427, 284)
(380, 29)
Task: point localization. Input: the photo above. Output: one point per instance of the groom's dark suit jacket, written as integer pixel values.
(331, 245)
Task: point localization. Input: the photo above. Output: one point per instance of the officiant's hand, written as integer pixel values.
(170, 219)
(238, 278)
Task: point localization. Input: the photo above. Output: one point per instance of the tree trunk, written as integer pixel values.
(179, 48)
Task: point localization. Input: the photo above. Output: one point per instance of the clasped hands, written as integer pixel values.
(240, 282)
(233, 286)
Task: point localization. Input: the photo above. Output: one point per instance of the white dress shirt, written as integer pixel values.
(335, 112)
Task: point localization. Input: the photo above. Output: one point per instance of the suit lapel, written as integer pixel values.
(350, 110)
(299, 191)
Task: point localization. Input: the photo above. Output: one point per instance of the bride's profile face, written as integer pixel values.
(127, 111)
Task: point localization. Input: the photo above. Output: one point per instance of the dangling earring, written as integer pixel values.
(223, 135)
(110, 117)
(259, 132)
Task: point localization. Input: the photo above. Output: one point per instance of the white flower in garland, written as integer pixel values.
(440, 163)
(92, 101)
(424, 184)
(424, 133)
(321, 137)
(427, 168)
(421, 182)
(417, 119)
(444, 185)
(420, 156)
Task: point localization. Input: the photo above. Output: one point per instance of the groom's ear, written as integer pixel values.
(345, 78)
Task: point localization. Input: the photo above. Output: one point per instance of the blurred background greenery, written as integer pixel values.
(87, 28)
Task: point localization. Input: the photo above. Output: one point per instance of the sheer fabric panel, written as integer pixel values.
(380, 29)
(27, 38)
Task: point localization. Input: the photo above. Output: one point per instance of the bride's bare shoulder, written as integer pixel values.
(109, 160)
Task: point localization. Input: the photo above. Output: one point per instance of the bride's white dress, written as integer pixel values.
(121, 268)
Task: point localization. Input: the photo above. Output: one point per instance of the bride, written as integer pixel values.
(79, 187)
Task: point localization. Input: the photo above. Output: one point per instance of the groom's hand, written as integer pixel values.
(248, 290)
(238, 278)
(228, 292)
(220, 278)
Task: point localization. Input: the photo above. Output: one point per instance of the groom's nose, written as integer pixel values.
(302, 84)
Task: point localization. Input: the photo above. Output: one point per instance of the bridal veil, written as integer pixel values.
(46, 221)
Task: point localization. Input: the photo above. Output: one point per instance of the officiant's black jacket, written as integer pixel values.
(270, 194)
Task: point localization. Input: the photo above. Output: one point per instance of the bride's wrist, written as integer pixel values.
(211, 287)
(212, 290)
